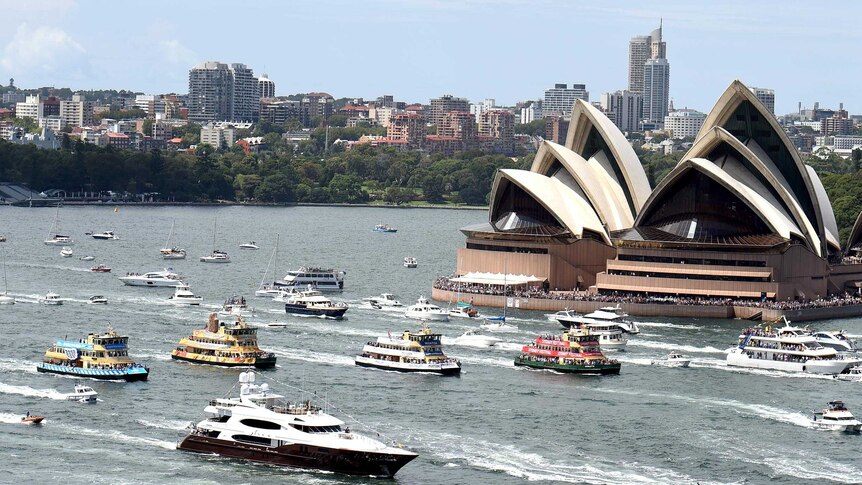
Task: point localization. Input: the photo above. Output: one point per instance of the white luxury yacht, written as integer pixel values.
(82, 393)
(183, 296)
(265, 427)
(423, 310)
(673, 359)
(788, 349)
(216, 257)
(153, 278)
(383, 300)
(105, 236)
(50, 298)
(472, 338)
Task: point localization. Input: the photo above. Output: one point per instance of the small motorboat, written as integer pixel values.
(105, 236)
(410, 262)
(97, 300)
(83, 393)
(382, 300)
(28, 419)
(50, 298)
(854, 374)
(472, 338)
(497, 324)
(673, 359)
(66, 252)
(87, 258)
(463, 310)
(249, 245)
(384, 228)
(836, 417)
(183, 296)
(100, 268)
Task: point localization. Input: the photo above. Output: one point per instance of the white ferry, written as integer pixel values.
(420, 351)
(322, 279)
(788, 349)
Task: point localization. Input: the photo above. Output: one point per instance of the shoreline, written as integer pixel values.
(99, 203)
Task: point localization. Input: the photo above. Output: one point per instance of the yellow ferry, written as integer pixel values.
(225, 344)
(102, 356)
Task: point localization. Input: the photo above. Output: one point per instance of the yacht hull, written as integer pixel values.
(260, 363)
(444, 369)
(602, 369)
(128, 375)
(830, 366)
(139, 282)
(325, 287)
(299, 456)
(335, 313)
(431, 316)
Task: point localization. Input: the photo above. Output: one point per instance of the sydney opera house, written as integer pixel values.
(740, 217)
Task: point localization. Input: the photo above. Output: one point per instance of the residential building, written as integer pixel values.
(277, 110)
(445, 104)
(218, 136)
(29, 108)
(683, 123)
(222, 92)
(314, 107)
(556, 129)
(639, 52)
(458, 124)
(385, 101)
(118, 140)
(846, 142)
(162, 130)
(54, 123)
(624, 108)
(837, 124)
(409, 127)
(560, 99)
(478, 108)
(531, 112)
(13, 97)
(77, 112)
(266, 86)
(49, 106)
(766, 96)
(499, 125)
(656, 92)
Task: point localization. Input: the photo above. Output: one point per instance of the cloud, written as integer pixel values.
(174, 52)
(44, 53)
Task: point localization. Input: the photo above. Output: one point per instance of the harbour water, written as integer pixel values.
(493, 424)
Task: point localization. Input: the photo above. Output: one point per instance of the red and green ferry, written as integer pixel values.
(575, 351)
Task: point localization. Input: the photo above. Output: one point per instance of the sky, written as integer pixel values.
(509, 50)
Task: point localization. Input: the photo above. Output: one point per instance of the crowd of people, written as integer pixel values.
(543, 292)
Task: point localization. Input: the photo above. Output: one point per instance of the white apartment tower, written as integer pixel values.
(266, 86)
(221, 92)
(560, 99)
(626, 108)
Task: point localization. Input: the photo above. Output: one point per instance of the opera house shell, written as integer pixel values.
(741, 216)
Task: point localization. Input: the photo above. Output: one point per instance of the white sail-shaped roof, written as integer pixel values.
(569, 208)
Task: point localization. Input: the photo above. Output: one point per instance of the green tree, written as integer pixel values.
(433, 189)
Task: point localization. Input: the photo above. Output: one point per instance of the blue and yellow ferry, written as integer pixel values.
(102, 356)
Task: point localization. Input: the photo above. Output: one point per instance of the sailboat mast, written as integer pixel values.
(272, 258)
(5, 281)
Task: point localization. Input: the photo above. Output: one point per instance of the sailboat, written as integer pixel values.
(171, 251)
(54, 237)
(498, 323)
(217, 256)
(462, 309)
(268, 290)
(5, 299)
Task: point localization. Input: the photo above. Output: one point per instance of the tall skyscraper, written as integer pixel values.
(656, 91)
(627, 108)
(221, 92)
(560, 99)
(649, 74)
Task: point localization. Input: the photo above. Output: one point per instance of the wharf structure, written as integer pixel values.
(741, 218)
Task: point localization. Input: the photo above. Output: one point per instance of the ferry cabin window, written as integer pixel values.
(260, 424)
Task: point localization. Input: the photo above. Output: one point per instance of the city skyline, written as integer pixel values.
(354, 50)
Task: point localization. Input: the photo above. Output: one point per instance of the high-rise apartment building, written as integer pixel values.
(498, 124)
(265, 86)
(766, 96)
(221, 92)
(560, 99)
(444, 104)
(409, 127)
(77, 112)
(649, 75)
(458, 124)
(656, 93)
(531, 112)
(625, 108)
